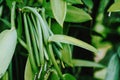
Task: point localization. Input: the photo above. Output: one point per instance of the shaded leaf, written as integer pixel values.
(56, 28)
(59, 10)
(71, 40)
(85, 63)
(74, 1)
(8, 40)
(114, 7)
(68, 77)
(66, 54)
(5, 22)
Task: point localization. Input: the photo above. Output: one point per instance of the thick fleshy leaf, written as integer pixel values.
(29, 75)
(68, 77)
(85, 63)
(75, 14)
(59, 10)
(8, 39)
(73, 41)
(66, 54)
(74, 1)
(114, 7)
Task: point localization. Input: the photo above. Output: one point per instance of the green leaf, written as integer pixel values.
(29, 75)
(116, 0)
(56, 51)
(59, 10)
(5, 22)
(73, 41)
(89, 3)
(75, 14)
(52, 57)
(66, 54)
(74, 1)
(85, 63)
(56, 28)
(68, 77)
(114, 7)
(9, 3)
(8, 40)
(6, 76)
(113, 68)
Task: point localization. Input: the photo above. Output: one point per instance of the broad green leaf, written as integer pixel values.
(114, 7)
(8, 39)
(89, 3)
(74, 1)
(85, 63)
(68, 77)
(66, 54)
(71, 40)
(75, 14)
(59, 10)
(29, 75)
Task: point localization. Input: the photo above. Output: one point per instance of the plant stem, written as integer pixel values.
(51, 56)
(13, 15)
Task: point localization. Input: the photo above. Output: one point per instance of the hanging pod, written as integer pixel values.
(8, 39)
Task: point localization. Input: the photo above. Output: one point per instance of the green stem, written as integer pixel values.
(13, 15)
(51, 55)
